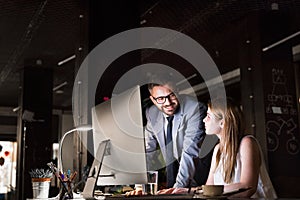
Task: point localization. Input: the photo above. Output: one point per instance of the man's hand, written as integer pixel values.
(136, 192)
(173, 191)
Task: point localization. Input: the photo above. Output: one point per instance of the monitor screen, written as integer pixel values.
(120, 121)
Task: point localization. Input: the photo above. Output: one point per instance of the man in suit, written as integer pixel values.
(179, 146)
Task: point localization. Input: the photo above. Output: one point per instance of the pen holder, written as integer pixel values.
(66, 190)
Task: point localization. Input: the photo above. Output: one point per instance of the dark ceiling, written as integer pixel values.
(50, 31)
(31, 29)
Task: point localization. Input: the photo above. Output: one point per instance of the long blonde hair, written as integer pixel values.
(233, 129)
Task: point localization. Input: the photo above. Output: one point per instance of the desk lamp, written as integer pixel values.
(84, 127)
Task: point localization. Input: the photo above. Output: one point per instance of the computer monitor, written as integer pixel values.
(120, 121)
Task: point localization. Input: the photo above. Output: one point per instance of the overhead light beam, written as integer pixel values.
(60, 86)
(66, 60)
(281, 41)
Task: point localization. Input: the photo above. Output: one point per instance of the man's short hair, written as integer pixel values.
(160, 80)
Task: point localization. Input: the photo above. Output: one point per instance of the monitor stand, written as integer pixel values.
(89, 188)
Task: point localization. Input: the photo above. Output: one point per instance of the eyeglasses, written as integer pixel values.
(162, 99)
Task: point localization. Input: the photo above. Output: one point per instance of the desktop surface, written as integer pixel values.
(119, 196)
(146, 197)
(158, 197)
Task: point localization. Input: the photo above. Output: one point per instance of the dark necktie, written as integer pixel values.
(170, 161)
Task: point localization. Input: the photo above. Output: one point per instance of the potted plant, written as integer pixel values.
(41, 175)
(40, 182)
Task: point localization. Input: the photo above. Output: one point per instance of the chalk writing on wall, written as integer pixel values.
(282, 115)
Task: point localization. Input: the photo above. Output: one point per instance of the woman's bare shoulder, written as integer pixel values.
(216, 148)
(249, 140)
(249, 145)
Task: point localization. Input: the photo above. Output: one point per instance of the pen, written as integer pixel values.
(73, 176)
(68, 173)
(62, 176)
(190, 186)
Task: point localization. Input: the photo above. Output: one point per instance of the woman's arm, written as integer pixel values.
(210, 179)
(250, 161)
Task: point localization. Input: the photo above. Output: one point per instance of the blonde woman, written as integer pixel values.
(237, 160)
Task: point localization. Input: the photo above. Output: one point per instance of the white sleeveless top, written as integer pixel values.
(264, 188)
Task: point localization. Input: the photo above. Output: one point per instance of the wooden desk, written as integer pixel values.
(163, 196)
